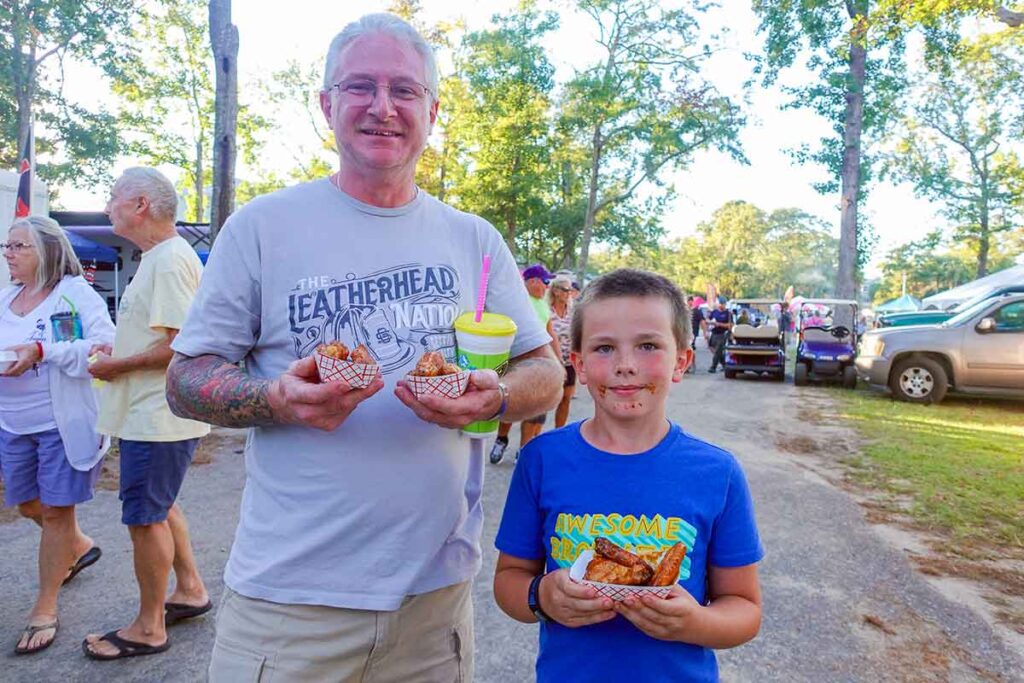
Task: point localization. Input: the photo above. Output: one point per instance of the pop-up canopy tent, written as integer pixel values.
(1014, 275)
(87, 250)
(904, 304)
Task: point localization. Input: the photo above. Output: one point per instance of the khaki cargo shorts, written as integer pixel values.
(429, 639)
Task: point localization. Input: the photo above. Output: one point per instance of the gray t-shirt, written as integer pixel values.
(387, 505)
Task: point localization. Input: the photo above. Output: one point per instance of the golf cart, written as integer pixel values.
(827, 342)
(756, 343)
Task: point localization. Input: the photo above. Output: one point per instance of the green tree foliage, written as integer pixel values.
(75, 142)
(643, 107)
(856, 51)
(956, 146)
(504, 116)
(743, 251)
(167, 94)
(932, 265)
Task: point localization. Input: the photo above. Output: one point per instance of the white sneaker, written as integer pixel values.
(498, 451)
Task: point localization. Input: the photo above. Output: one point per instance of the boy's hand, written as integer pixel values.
(573, 604)
(668, 618)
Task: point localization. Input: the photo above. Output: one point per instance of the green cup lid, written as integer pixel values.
(490, 325)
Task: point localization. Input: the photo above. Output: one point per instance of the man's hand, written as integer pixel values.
(105, 367)
(573, 604)
(101, 348)
(28, 355)
(298, 397)
(481, 400)
(668, 618)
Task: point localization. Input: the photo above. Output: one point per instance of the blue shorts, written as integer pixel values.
(151, 477)
(35, 466)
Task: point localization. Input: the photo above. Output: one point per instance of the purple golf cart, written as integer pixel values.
(827, 342)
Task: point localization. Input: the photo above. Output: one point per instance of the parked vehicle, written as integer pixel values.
(756, 342)
(934, 317)
(979, 351)
(826, 342)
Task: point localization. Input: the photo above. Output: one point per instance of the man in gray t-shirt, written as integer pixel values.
(361, 516)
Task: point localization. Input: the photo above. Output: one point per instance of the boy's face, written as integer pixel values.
(628, 357)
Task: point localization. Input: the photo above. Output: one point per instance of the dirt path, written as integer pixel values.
(842, 602)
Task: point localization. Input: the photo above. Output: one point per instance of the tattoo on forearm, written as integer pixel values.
(210, 389)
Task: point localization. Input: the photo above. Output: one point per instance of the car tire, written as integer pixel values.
(730, 374)
(800, 375)
(919, 379)
(849, 377)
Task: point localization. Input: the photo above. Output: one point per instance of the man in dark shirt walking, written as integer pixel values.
(720, 322)
(698, 325)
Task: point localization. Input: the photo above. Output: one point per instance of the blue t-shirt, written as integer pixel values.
(564, 493)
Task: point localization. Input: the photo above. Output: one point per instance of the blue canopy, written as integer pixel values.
(87, 250)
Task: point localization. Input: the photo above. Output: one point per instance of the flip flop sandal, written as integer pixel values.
(91, 556)
(125, 648)
(176, 611)
(31, 631)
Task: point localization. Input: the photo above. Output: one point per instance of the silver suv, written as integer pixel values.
(978, 351)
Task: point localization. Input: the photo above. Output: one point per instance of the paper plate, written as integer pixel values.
(356, 375)
(448, 386)
(614, 591)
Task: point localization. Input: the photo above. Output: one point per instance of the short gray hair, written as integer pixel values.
(56, 256)
(389, 25)
(143, 181)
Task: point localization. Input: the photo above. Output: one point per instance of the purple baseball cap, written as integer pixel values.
(537, 270)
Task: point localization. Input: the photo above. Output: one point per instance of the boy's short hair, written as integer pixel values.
(631, 282)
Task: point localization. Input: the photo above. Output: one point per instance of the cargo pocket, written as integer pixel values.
(233, 664)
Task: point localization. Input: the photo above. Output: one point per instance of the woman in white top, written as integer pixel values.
(560, 298)
(50, 453)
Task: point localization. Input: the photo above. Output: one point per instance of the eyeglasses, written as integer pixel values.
(363, 91)
(15, 246)
(561, 289)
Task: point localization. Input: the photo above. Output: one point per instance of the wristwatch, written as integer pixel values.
(503, 390)
(533, 599)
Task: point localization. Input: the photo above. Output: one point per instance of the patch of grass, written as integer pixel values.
(960, 464)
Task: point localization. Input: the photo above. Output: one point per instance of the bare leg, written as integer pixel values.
(32, 510)
(154, 556)
(56, 554)
(189, 588)
(503, 429)
(562, 411)
(528, 432)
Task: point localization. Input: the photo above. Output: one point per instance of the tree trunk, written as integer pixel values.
(846, 285)
(224, 41)
(588, 222)
(198, 181)
(24, 76)
(984, 242)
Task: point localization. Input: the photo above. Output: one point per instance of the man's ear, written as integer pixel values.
(577, 362)
(141, 205)
(325, 105)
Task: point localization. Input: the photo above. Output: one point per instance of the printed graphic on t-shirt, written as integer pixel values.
(643, 535)
(38, 332)
(398, 313)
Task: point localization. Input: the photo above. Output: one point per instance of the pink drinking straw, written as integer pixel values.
(481, 296)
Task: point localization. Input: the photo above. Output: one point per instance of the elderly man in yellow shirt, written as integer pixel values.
(156, 446)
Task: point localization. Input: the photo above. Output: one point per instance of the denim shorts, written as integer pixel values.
(35, 466)
(151, 477)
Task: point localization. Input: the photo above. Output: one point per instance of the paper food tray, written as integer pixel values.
(613, 591)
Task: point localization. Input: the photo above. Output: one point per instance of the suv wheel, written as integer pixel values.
(800, 375)
(919, 380)
(849, 377)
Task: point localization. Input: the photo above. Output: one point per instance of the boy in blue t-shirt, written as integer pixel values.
(630, 475)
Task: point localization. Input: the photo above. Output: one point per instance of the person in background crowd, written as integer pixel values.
(720, 322)
(536, 279)
(50, 452)
(560, 298)
(156, 445)
(697, 325)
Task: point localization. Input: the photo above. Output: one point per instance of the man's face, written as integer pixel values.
(120, 209)
(386, 133)
(536, 287)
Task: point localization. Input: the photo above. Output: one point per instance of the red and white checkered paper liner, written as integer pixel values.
(613, 591)
(447, 386)
(356, 375)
